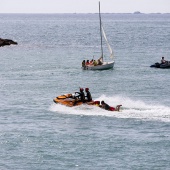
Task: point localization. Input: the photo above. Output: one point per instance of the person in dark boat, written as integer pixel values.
(107, 107)
(88, 95)
(163, 61)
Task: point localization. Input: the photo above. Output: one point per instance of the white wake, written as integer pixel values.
(130, 109)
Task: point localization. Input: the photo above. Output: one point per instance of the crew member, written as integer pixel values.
(83, 63)
(95, 63)
(87, 62)
(80, 97)
(88, 95)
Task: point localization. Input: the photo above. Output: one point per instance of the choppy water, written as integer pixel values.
(35, 133)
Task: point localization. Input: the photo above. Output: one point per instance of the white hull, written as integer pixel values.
(104, 66)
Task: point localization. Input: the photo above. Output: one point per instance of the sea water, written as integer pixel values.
(36, 133)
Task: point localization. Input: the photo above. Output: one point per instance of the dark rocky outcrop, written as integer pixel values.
(4, 42)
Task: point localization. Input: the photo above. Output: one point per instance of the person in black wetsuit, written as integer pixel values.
(80, 97)
(107, 107)
(88, 95)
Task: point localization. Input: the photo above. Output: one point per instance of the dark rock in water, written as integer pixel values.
(4, 42)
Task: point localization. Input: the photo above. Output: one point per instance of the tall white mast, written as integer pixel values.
(101, 32)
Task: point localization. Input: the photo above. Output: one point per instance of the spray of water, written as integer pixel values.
(130, 109)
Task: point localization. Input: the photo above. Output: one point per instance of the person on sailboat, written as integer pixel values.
(88, 95)
(91, 62)
(99, 62)
(87, 62)
(95, 63)
(107, 107)
(83, 63)
(101, 59)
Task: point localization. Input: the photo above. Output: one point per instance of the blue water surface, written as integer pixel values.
(36, 133)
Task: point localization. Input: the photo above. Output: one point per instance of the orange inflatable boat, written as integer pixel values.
(73, 100)
(70, 100)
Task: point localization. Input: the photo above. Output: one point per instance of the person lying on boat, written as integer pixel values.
(88, 95)
(107, 107)
(83, 63)
(80, 97)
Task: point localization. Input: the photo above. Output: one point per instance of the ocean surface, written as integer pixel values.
(36, 133)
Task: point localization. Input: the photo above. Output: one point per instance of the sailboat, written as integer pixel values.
(104, 65)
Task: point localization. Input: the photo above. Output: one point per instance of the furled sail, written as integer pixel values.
(110, 49)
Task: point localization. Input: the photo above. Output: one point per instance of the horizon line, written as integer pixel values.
(136, 13)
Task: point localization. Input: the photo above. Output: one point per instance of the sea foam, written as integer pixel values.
(136, 109)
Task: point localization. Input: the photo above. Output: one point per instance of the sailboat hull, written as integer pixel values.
(104, 66)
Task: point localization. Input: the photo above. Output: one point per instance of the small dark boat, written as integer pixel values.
(160, 65)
